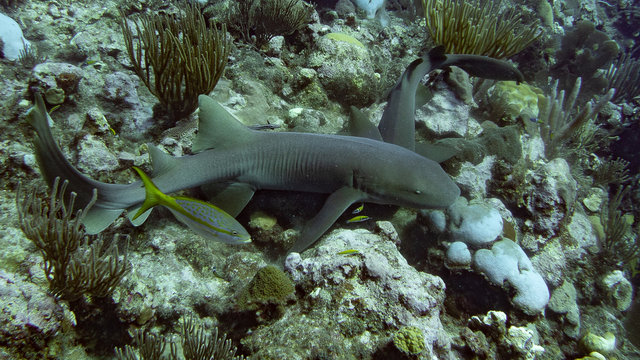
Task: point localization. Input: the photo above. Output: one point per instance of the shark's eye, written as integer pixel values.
(418, 192)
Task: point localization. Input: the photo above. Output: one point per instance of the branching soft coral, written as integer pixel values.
(177, 59)
(477, 28)
(73, 264)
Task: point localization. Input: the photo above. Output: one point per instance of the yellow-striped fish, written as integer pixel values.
(358, 210)
(349, 252)
(205, 219)
(357, 219)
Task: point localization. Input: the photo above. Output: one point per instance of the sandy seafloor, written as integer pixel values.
(398, 291)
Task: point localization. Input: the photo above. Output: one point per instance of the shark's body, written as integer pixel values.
(350, 169)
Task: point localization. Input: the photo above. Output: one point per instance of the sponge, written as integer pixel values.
(506, 261)
(11, 36)
(370, 7)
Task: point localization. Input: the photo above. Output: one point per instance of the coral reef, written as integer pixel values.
(537, 259)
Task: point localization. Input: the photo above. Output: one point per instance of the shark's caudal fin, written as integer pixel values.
(50, 158)
(53, 164)
(217, 127)
(397, 125)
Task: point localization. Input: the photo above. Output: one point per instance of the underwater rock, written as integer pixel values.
(532, 148)
(94, 156)
(121, 88)
(507, 262)
(54, 96)
(346, 71)
(180, 272)
(124, 105)
(551, 262)
(446, 116)
(474, 223)
(582, 234)
(563, 301)
(11, 38)
(618, 289)
(62, 78)
(494, 321)
(473, 179)
(29, 316)
(367, 296)
(500, 143)
(593, 202)
(522, 341)
(602, 344)
(459, 81)
(275, 46)
(306, 120)
(550, 193)
(14, 248)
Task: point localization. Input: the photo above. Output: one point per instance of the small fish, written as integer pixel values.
(357, 219)
(349, 252)
(358, 210)
(205, 219)
(54, 109)
(104, 121)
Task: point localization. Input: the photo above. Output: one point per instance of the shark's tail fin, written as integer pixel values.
(53, 164)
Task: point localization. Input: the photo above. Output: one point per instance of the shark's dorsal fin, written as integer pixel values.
(160, 160)
(359, 125)
(217, 127)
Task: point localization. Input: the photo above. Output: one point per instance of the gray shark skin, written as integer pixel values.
(350, 169)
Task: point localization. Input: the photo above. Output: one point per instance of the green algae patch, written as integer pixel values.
(344, 37)
(270, 285)
(511, 100)
(409, 340)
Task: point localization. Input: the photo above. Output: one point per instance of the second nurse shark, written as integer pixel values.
(382, 165)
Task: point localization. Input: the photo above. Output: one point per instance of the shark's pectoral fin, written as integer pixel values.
(335, 205)
(361, 126)
(435, 152)
(231, 198)
(98, 219)
(132, 211)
